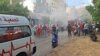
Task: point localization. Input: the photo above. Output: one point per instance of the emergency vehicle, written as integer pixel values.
(16, 37)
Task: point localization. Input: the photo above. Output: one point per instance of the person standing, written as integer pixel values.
(82, 28)
(90, 28)
(78, 29)
(44, 30)
(39, 30)
(69, 30)
(54, 36)
(86, 29)
(74, 29)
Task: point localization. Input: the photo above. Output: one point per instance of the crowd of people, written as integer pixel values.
(45, 30)
(81, 28)
(77, 29)
(41, 30)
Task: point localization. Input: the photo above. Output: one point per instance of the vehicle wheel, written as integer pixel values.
(22, 54)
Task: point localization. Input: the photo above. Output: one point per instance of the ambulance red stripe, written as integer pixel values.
(14, 49)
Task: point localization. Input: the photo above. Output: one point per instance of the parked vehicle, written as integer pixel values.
(16, 37)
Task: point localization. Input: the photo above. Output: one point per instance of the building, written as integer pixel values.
(41, 6)
(41, 11)
(78, 13)
(72, 13)
(55, 10)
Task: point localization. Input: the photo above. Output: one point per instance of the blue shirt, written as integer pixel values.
(55, 38)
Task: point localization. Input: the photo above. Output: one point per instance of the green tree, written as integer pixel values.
(17, 1)
(95, 11)
(15, 9)
(4, 6)
(18, 9)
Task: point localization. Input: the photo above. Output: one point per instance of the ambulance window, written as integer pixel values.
(2, 31)
(2, 34)
(10, 28)
(21, 32)
(13, 33)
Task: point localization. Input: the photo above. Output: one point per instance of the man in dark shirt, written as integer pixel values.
(69, 30)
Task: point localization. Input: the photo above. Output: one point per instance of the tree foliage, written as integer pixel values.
(95, 11)
(15, 9)
(16, 1)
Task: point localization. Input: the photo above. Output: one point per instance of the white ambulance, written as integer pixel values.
(16, 37)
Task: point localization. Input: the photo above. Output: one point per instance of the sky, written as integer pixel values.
(77, 3)
(29, 4)
(70, 3)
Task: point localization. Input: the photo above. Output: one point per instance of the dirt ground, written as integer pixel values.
(80, 46)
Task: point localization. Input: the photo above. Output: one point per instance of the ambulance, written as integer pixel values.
(16, 37)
